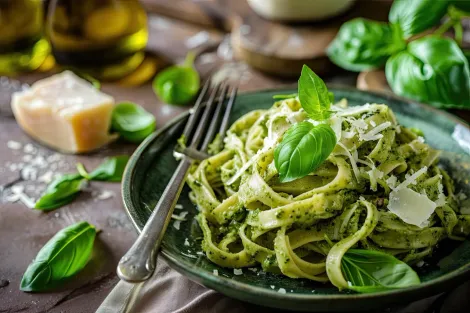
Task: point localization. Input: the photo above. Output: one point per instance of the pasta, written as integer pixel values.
(380, 189)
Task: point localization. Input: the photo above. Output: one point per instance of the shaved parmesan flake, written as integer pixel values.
(216, 272)
(354, 110)
(351, 159)
(335, 123)
(372, 123)
(392, 181)
(373, 134)
(410, 206)
(281, 290)
(347, 135)
(177, 224)
(412, 179)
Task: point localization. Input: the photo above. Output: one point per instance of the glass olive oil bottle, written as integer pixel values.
(22, 44)
(105, 38)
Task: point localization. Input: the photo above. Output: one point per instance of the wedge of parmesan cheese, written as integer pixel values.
(65, 112)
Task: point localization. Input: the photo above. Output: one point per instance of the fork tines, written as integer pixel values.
(209, 118)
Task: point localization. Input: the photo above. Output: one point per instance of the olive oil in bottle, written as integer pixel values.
(105, 38)
(22, 44)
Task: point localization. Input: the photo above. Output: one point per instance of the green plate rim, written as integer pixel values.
(212, 281)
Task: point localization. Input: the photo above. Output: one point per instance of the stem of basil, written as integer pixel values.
(445, 27)
(458, 29)
(189, 60)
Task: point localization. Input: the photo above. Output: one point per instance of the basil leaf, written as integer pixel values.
(111, 169)
(63, 256)
(60, 192)
(132, 122)
(432, 70)
(313, 95)
(292, 95)
(178, 84)
(364, 44)
(415, 16)
(371, 271)
(304, 147)
(331, 96)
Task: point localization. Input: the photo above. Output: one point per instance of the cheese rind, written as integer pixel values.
(66, 113)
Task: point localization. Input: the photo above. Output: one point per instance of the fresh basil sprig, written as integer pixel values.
(63, 256)
(304, 147)
(430, 69)
(60, 192)
(363, 44)
(110, 170)
(416, 16)
(372, 271)
(178, 84)
(313, 95)
(433, 70)
(132, 122)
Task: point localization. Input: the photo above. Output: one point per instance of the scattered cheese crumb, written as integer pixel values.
(281, 290)
(253, 269)
(215, 272)
(272, 286)
(14, 145)
(105, 194)
(177, 224)
(186, 242)
(200, 253)
(420, 263)
(178, 206)
(237, 271)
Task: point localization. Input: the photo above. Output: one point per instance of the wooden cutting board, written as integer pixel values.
(275, 48)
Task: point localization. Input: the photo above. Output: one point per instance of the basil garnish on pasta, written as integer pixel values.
(305, 146)
(303, 149)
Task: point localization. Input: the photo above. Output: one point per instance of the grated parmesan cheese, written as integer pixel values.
(411, 180)
(281, 290)
(14, 145)
(374, 133)
(351, 159)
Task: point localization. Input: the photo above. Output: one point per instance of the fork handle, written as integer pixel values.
(139, 263)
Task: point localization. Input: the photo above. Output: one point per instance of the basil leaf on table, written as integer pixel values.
(416, 16)
(313, 95)
(371, 271)
(63, 256)
(363, 44)
(60, 192)
(110, 170)
(304, 147)
(178, 84)
(132, 122)
(432, 70)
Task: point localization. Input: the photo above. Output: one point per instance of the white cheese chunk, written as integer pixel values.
(65, 112)
(412, 207)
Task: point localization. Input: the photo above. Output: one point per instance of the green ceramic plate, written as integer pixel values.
(152, 165)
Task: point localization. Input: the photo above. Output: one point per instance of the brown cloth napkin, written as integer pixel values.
(169, 292)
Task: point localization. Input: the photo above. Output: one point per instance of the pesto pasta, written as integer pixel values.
(380, 189)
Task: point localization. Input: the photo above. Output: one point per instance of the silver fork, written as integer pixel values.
(139, 263)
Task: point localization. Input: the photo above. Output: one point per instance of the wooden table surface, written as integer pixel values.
(24, 231)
